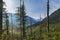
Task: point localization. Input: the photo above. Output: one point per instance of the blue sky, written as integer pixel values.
(33, 8)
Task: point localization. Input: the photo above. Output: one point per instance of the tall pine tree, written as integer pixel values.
(1, 8)
(21, 18)
(5, 22)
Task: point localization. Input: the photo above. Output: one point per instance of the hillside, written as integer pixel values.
(54, 18)
(39, 29)
(54, 27)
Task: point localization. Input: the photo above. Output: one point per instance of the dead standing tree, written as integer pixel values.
(31, 28)
(40, 29)
(48, 14)
(12, 25)
(7, 26)
(48, 17)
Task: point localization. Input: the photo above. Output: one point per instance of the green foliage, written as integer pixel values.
(40, 31)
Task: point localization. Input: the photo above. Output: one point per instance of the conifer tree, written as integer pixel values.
(6, 22)
(5, 15)
(22, 18)
(1, 8)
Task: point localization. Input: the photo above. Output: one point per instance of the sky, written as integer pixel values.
(33, 8)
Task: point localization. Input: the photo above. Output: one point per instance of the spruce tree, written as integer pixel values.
(6, 22)
(21, 18)
(1, 8)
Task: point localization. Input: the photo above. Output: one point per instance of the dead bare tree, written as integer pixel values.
(48, 14)
(48, 18)
(31, 28)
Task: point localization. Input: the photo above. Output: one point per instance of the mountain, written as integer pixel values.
(41, 31)
(54, 18)
(28, 19)
(16, 23)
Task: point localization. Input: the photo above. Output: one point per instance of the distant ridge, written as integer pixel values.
(54, 18)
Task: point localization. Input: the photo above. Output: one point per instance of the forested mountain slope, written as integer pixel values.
(54, 27)
(54, 18)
